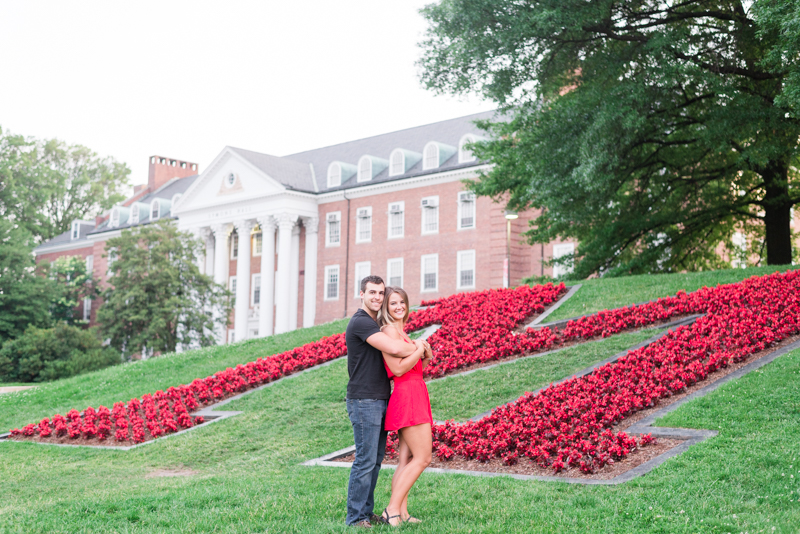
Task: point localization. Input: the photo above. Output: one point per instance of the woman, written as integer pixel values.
(409, 410)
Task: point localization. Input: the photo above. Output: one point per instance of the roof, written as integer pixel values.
(66, 238)
(174, 187)
(294, 172)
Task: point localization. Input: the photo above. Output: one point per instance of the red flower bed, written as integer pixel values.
(570, 424)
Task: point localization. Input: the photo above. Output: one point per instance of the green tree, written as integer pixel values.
(50, 353)
(649, 131)
(25, 294)
(158, 297)
(73, 284)
(46, 184)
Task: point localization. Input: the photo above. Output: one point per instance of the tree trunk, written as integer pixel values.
(777, 215)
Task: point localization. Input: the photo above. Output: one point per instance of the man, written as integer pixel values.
(368, 392)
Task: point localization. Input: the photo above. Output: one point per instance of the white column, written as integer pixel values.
(294, 278)
(286, 222)
(242, 279)
(221, 234)
(208, 240)
(310, 280)
(266, 316)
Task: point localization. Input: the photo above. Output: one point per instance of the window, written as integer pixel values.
(114, 219)
(559, 251)
(363, 269)
(332, 282)
(89, 265)
(739, 256)
(397, 163)
(231, 336)
(430, 215)
(465, 155)
(135, 214)
(365, 169)
(76, 230)
(175, 198)
(364, 225)
(255, 290)
(396, 219)
(334, 175)
(466, 210)
(155, 210)
(333, 229)
(257, 241)
(431, 160)
(232, 285)
(394, 272)
(234, 246)
(87, 309)
(430, 272)
(466, 269)
(112, 257)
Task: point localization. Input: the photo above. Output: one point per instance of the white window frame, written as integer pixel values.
(395, 153)
(426, 163)
(364, 175)
(111, 257)
(338, 215)
(175, 198)
(232, 284)
(231, 336)
(90, 264)
(255, 283)
(234, 241)
(334, 178)
(422, 273)
(465, 155)
(256, 237)
(389, 263)
(460, 256)
(358, 270)
(361, 222)
(565, 249)
(135, 214)
(426, 212)
(113, 219)
(402, 218)
(87, 309)
(155, 203)
(76, 231)
(326, 282)
(461, 203)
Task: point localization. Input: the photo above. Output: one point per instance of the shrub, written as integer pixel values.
(42, 354)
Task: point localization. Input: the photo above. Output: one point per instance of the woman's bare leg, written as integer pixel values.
(404, 457)
(419, 441)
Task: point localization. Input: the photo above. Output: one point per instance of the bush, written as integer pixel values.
(42, 354)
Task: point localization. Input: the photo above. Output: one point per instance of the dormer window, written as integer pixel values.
(119, 216)
(365, 169)
(431, 156)
(465, 155)
(135, 214)
(114, 221)
(398, 165)
(154, 211)
(402, 160)
(339, 172)
(76, 230)
(175, 198)
(334, 175)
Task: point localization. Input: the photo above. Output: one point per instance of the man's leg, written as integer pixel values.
(379, 454)
(366, 416)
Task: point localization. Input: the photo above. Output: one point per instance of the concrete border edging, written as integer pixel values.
(572, 290)
(691, 436)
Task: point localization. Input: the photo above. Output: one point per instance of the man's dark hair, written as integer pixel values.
(371, 279)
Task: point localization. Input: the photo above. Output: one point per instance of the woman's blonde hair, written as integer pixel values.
(384, 317)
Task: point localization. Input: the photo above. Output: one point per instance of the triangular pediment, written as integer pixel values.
(230, 178)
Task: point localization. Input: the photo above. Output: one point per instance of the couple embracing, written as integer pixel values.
(378, 350)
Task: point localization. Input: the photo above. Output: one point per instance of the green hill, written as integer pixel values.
(244, 473)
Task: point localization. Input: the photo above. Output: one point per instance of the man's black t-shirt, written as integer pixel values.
(368, 378)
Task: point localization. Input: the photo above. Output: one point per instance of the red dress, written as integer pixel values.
(409, 404)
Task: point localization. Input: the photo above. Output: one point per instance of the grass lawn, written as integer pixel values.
(247, 477)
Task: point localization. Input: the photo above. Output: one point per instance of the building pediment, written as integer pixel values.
(236, 175)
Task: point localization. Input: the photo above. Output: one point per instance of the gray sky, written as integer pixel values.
(183, 79)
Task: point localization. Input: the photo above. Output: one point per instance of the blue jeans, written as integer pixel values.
(367, 417)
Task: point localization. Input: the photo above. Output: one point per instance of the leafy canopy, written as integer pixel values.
(654, 133)
(73, 284)
(46, 184)
(158, 298)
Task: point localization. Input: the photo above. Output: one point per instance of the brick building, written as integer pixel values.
(319, 221)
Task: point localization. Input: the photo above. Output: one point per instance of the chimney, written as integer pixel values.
(162, 170)
(137, 188)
